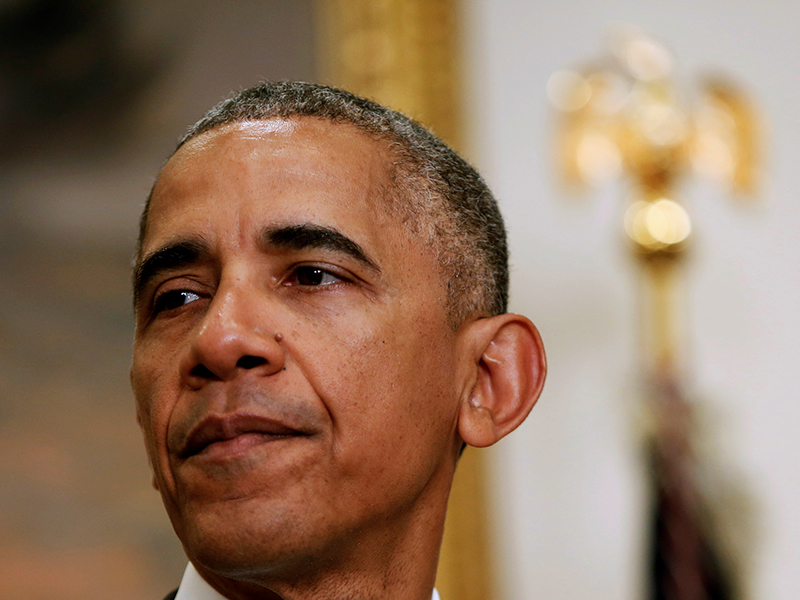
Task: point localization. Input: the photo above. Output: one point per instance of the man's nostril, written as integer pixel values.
(203, 371)
(250, 362)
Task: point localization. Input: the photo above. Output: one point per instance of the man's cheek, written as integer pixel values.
(143, 420)
(146, 418)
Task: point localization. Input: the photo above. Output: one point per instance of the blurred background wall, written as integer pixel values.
(93, 96)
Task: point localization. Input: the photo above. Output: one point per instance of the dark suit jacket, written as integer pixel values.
(171, 595)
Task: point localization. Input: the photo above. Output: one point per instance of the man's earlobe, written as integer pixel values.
(509, 371)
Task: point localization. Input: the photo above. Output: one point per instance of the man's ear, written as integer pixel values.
(508, 361)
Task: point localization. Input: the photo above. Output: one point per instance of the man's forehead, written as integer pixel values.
(342, 142)
(338, 176)
(306, 148)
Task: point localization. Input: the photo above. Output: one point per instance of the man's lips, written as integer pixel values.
(235, 432)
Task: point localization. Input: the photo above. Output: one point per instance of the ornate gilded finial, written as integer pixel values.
(623, 117)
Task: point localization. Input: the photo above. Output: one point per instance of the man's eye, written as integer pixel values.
(313, 276)
(174, 299)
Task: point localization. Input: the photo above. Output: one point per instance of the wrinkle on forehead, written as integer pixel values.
(246, 145)
(286, 134)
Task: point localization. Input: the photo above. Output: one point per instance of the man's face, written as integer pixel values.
(295, 375)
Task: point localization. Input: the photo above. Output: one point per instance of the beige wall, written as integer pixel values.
(570, 494)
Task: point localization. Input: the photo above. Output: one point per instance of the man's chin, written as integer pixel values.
(245, 542)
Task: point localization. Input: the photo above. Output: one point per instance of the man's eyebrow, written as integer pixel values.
(170, 257)
(305, 236)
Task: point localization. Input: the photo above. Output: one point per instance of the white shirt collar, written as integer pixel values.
(194, 587)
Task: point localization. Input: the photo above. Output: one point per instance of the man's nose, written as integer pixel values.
(237, 335)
